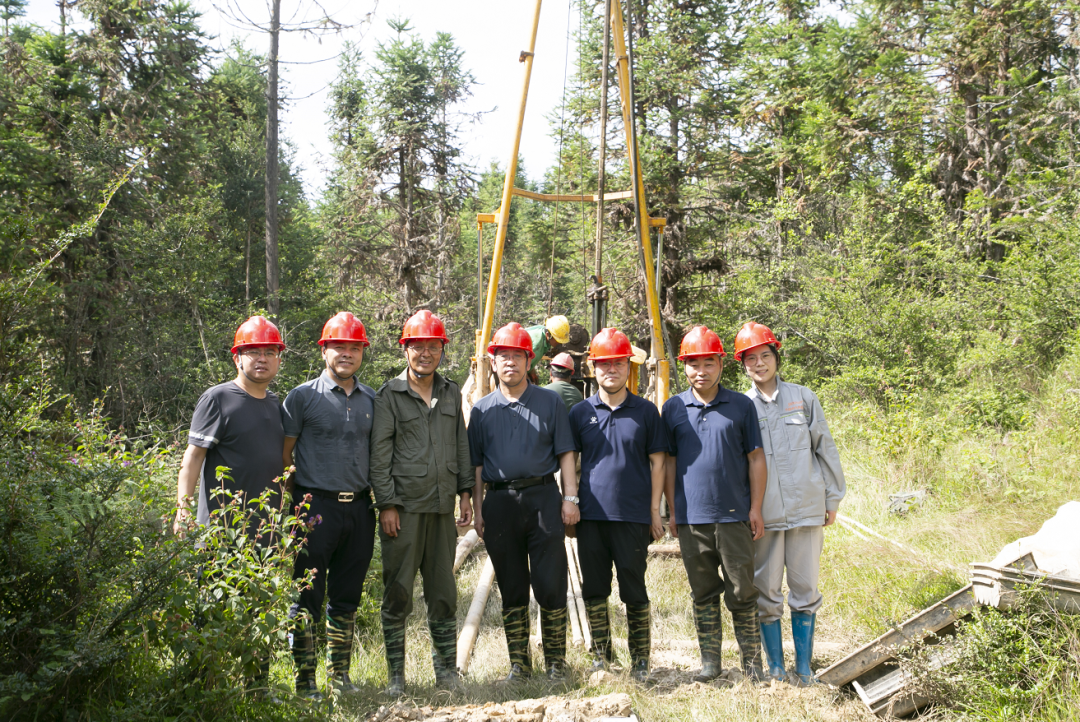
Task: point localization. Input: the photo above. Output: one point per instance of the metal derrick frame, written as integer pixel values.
(658, 363)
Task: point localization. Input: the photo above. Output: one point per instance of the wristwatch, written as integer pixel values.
(572, 499)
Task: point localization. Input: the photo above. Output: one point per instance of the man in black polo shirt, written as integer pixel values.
(327, 425)
(623, 448)
(519, 435)
(716, 473)
(237, 425)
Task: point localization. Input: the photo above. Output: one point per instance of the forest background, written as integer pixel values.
(895, 196)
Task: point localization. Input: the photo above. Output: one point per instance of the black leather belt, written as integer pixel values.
(346, 497)
(516, 484)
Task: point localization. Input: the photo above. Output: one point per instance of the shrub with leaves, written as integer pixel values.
(104, 610)
(1021, 663)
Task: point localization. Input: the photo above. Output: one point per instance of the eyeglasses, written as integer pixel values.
(421, 349)
(261, 352)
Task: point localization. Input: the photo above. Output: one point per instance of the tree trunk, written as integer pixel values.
(272, 163)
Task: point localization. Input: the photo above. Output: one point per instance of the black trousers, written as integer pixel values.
(339, 549)
(624, 543)
(524, 536)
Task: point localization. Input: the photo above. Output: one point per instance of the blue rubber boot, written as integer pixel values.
(773, 644)
(802, 632)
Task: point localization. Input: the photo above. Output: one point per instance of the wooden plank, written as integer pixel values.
(882, 649)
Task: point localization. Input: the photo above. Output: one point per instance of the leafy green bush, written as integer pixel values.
(1018, 664)
(103, 608)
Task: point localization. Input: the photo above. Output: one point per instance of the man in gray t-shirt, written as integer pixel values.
(327, 425)
(236, 425)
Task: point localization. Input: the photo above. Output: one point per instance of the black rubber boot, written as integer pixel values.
(710, 635)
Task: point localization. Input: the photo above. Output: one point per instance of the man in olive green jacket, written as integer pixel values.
(419, 463)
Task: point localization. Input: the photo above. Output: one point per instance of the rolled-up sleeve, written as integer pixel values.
(382, 452)
(828, 456)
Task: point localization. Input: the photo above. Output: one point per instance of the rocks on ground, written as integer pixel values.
(547, 709)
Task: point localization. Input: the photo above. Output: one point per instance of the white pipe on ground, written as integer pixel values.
(471, 629)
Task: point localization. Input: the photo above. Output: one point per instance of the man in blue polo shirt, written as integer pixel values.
(519, 435)
(327, 426)
(716, 473)
(622, 443)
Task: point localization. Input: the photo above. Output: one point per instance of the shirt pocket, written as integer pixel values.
(766, 435)
(410, 431)
(798, 432)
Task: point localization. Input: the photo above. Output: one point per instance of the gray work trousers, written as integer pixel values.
(799, 551)
(708, 549)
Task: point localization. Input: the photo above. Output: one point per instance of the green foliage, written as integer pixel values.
(102, 607)
(1016, 664)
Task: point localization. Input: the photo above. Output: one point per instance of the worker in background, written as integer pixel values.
(562, 368)
(556, 330)
(327, 425)
(519, 435)
(236, 425)
(804, 490)
(623, 449)
(419, 466)
(716, 474)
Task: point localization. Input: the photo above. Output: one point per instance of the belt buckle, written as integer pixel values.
(345, 495)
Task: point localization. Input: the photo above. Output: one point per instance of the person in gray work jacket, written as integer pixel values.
(419, 465)
(327, 424)
(802, 494)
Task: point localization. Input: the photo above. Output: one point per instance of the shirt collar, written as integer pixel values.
(631, 400)
(401, 383)
(723, 395)
(501, 400)
(761, 394)
(328, 384)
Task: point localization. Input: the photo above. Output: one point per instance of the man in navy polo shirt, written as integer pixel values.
(622, 443)
(716, 473)
(519, 435)
(327, 426)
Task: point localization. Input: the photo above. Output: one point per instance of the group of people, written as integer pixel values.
(750, 479)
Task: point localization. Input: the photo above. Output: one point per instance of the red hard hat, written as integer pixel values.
(700, 341)
(423, 326)
(512, 335)
(344, 327)
(610, 343)
(751, 335)
(257, 331)
(563, 360)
